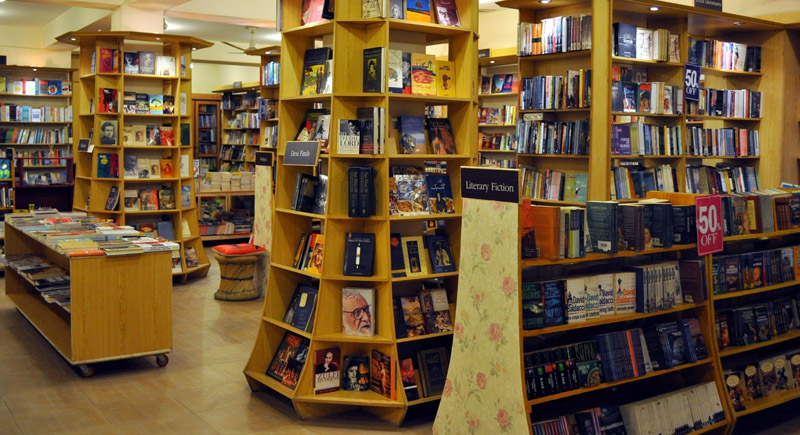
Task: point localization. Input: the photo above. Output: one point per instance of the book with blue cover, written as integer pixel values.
(412, 134)
(554, 297)
(300, 311)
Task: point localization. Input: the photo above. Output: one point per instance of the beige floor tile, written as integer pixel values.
(204, 399)
(182, 425)
(196, 377)
(245, 418)
(7, 422)
(144, 409)
(128, 387)
(233, 370)
(43, 402)
(83, 418)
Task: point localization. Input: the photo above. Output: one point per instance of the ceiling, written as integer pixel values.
(215, 31)
(22, 13)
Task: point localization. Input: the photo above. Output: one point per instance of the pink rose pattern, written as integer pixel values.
(479, 391)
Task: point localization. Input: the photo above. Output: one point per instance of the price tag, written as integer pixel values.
(691, 81)
(709, 224)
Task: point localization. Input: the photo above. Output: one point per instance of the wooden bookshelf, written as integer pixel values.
(488, 67)
(58, 197)
(233, 99)
(207, 128)
(229, 203)
(348, 35)
(91, 192)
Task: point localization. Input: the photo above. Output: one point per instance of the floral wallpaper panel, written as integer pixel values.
(484, 392)
(262, 222)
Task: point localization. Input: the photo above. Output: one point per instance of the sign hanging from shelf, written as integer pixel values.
(691, 81)
(494, 184)
(264, 158)
(708, 214)
(301, 153)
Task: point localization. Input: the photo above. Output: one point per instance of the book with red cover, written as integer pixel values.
(312, 11)
(106, 60)
(548, 229)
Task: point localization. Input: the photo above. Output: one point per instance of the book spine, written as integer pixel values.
(353, 176)
(365, 195)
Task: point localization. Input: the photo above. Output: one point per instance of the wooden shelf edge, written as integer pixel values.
(768, 402)
(270, 383)
(594, 256)
(741, 293)
(424, 337)
(287, 327)
(735, 350)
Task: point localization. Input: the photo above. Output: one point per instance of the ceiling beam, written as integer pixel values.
(73, 19)
(238, 21)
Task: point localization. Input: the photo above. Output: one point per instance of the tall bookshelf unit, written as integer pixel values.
(241, 133)
(207, 127)
(54, 195)
(499, 64)
(92, 191)
(773, 80)
(348, 35)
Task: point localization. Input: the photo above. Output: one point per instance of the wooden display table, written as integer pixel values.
(121, 306)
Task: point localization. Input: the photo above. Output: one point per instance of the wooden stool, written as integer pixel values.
(236, 276)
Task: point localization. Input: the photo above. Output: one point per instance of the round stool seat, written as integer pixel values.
(236, 276)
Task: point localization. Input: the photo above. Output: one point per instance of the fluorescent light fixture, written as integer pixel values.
(267, 52)
(653, 8)
(36, 69)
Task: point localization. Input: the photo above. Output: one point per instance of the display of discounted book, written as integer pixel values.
(709, 224)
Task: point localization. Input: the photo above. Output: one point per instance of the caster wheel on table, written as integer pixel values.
(162, 360)
(86, 371)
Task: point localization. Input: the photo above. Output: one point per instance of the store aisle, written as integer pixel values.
(201, 391)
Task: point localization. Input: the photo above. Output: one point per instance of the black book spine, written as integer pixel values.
(365, 192)
(353, 174)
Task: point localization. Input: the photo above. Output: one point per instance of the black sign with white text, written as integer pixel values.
(490, 183)
(264, 158)
(301, 153)
(715, 5)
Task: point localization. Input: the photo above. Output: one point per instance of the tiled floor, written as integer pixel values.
(201, 391)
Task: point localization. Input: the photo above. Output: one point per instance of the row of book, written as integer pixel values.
(683, 411)
(244, 120)
(139, 167)
(601, 420)
(766, 377)
(729, 56)
(572, 91)
(267, 108)
(224, 222)
(35, 86)
(141, 62)
(241, 138)
(244, 101)
(497, 141)
(640, 139)
(270, 136)
(271, 74)
(500, 84)
(642, 43)
(207, 120)
(310, 193)
(720, 179)
(427, 312)
(555, 35)
(747, 325)
(736, 272)
(446, 12)
(226, 181)
(415, 192)
(554, 185)
(566, 238)
(44, 136)
(206, 142)
(412, 131)
(731, 103)
(6, 197)
(646, 97)
(147, 199)
(631, 180)
(503, 115)
(10, 112)
(142, 134)
(150, 104)
(52, 282)
(234, 153)
(498, 162)
(539, 134)
(727, 142)
(49, 178)
(39, 158)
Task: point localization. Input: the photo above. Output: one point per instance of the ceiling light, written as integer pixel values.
(36, 69)
(191, 65)
(267, 52)
(157, 38)
(653, 8)
(738, 23)
(544, 2)
(71, 39)
(491, 61)
(194, 48)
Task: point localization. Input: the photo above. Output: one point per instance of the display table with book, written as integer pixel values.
(90, 304)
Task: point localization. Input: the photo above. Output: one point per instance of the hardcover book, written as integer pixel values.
(356, 373)
(423, 72)
(315, 255)
(349, 136)
(148, 200)
(413, 255)
(436, 310)
(132, 202)
(395, 74)
(371, 9)
(359, 252)
(439, 251)
(288, 361)
(396, 250)
(412, 134)
(409, 378)
(147, 62)
(433, 364)
(314, 63)
(113, 198)
(142, 104)
(412, 196)
(326, 370)
(440, 194)
(156, 103)
(602, 222)
(169, 105)
(447, 13)
(312, 11)
(129, 102)
(383, 375)
(358, 308)
(131, 167)
(372, 78)
(625, 40)
(190, 256)
(412, 315)
(441, 136)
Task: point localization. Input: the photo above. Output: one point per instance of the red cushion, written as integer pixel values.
(238, 249)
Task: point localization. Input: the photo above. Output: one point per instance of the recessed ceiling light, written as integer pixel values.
(157, 38)
(36, 69)
(191, 65)
(267, 52)
(738, 23)
(194, 48)
(71, 39)
(491, 61)
(653, 8)
(544, 2)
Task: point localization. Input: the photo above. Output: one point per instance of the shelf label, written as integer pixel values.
(494, 184)
(709, 224)
(300, 153)
(715, 5)
(691, 81)
(264, 158)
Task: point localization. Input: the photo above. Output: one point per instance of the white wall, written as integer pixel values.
(207, 76)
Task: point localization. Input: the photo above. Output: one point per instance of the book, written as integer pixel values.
(147, 62)
(371, 9)
(406, 73)
(106, 64)
(423, 70)
(131, 168)
(349, 136)
(383, 374)
(148, 199)
(624, 40)
(113, 198)
(554, 295)
(440, 194)
(435, 310)
(396, 250)
(169, 105)
(446, 78)
(314, 62)
(315, 255)
(166, 65)
(602, 222)
(373, 75)
(300, 311)
(131, 201)
(107, 165)
(412, 134)
(433, 364)
(289, 359)
(190, 256)
(532, 306)
(165, 166)
(447, 13)
(142, 104)
(409, 378)
(166, 230)
(129, 102)
(418, 10)
(576, 300)
(166, 198)
(326, 370)
(412, 196)
(441, 136)
(413, 255)
(358, 308)
(624, 292)
(156, 103)
(356, 373)
(412, 316)
(359, 252)
(320, 195)
(108, 132)
(395, 68)
(439, 250)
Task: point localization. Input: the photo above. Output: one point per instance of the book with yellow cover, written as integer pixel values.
(423, 74)
(445, 78)
(315, 261)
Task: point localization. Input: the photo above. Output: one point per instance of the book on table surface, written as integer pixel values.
(301, 307)
(359, 252)
(327, 370)
(288, 361)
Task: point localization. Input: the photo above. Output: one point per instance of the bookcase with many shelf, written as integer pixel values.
(685, 22)
(36, 121)
(349, 35)
(241, 131)
(136, 112)
(496, 135)
(207, 126)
